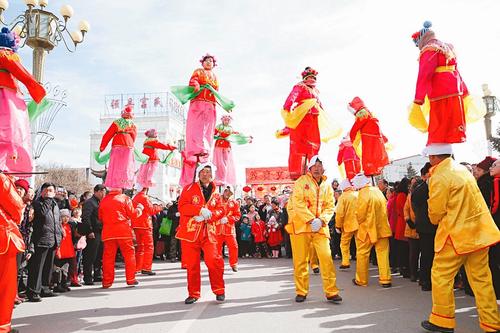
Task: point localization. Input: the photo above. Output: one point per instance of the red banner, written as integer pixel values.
(266, 176)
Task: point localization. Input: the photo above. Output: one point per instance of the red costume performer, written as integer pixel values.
(11, 243)
(200, 208)
(143, 230)
(147, 170)
(224, 228)
(441, 88)
(303, 115)
(347, 156)
(115, 211)
(367, 130)
(121, 165)
(15, 131)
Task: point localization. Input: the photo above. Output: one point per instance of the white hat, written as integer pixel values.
(64, 212)
(203, 166)
(437, 149)
(345, 184)
(313, 161)
(360, 180)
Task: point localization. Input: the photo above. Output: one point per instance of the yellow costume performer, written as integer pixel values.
(465, 232)
(345, 220)
(310, 208)
(374, 230)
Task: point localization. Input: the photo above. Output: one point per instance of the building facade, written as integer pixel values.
(403, 167)
(161, 111)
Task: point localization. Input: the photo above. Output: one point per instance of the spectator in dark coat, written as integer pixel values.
(484, 179)
(46, 237)
(174, 215)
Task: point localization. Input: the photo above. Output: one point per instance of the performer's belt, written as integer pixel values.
(122, 132)
(442, 69)
(151, 147)
(3, 71)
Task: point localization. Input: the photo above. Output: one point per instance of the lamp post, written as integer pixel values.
(42, 30)
(491, 107)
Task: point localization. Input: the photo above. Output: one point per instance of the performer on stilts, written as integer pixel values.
(366, 130)
(15, 131)
(11, 243)
(200, 125)
(150, 147)
(306, 123)
(348, 160)
(123, 132)
(224, 228)
(200, 207)
(223, 155)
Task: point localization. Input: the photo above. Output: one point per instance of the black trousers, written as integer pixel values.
(40, 270)
(414, 245)
(494, 262)
(393, 262)
(92, 259)
(403, 257)
(426, 258)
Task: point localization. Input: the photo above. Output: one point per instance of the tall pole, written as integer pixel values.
(491, 107)
(38, 63)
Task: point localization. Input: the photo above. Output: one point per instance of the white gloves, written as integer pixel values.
(177, 214)
(199, 218)
(206, 213)
(316, 224)
(337, 230)
(223, 220)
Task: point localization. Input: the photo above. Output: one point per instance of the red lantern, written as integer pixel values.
(260, 188)
(273, 188)
(247, 189)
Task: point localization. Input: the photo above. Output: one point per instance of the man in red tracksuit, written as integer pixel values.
(200, 207)
(11, 243)
(224, 228)
(143, 230)
(115, 211)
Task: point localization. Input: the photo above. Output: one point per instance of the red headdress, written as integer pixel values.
(208, 55)
(309, 71)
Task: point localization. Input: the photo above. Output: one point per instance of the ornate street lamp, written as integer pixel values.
(43, 30)
(491, 107)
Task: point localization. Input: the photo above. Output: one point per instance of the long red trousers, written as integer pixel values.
(126, 247)
(145, 249)
(232, 245)
(8, 286)
(305, 141)
(215, 264)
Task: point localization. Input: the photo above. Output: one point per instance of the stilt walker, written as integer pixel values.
(123, 132)
(15, 131)
(348, 160)
(11, 243)
(200, 207)
(366, 131)
(224, 228)
(203, 94)
(306, 123)
(150, 147)
(223, 155)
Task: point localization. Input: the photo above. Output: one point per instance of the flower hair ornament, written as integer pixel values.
(309, 71)
(208, 55)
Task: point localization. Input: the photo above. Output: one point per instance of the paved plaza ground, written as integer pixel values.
(259, 298)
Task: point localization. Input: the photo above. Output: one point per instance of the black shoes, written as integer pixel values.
(234, 268)
(33, 298)
(190, 300)
(354, 282)
(59, 289)
(426, 288)
(316, 270)
(386, 285)
(344, 266)
(148, 273)
(434, 328)
(220, 298)
(133, 283)
(334, 299)
(47, 294)
(300, 298)
(88, 283)
(98, 279)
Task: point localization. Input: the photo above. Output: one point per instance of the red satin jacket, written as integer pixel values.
(116, 211)
(223, 132)
(191, 202)
(201, 77)
(301, 92)
(151, 145)
(11, 213)
(233, 214)
(144, 220)
(434, 80)
(122, 131)
(12, 70)
(66, 248)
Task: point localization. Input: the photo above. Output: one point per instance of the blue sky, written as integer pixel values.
(359, 48)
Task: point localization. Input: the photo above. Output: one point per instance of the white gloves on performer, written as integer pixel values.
(316, 224)
(206, 213)
(223, 220)
(337, 230)
(199, 218)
